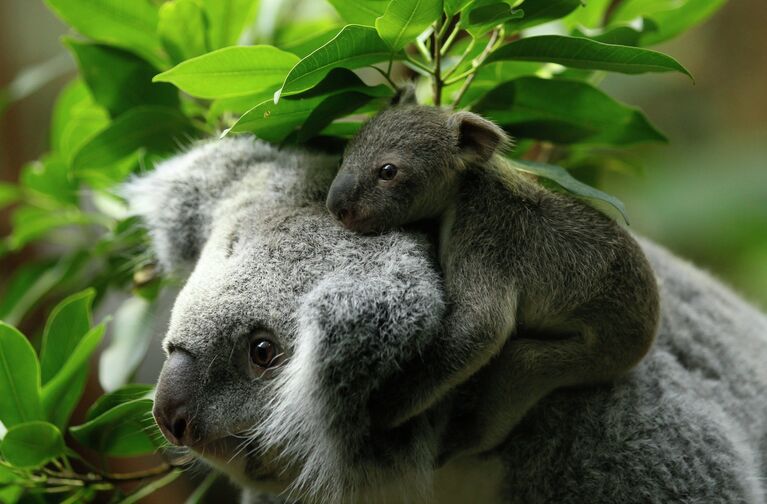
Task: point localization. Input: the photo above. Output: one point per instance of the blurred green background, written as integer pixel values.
(704, 195)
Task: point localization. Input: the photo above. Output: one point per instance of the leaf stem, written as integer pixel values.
(437, 74)
(385, 75)
(494, 36)
(449, 41)
(465, 55)
(416, 63)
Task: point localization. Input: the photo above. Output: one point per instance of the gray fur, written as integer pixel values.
(357, 314)
(569, 287)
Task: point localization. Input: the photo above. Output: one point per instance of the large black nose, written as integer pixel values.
(173, 398)
(340, 195)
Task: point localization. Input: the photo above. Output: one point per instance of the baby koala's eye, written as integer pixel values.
(387, 172)
(265, 354)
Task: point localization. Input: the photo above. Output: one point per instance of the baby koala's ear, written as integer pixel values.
(478, 138)
(405, 95)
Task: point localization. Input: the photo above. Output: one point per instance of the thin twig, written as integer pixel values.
(437, 62)
(475, 64)
(385, 76)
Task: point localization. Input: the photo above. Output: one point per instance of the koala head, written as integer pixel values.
(404, 164)
(287, 325)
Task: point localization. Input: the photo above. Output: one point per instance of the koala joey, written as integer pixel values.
(567, 286)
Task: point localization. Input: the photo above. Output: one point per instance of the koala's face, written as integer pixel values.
(397, 170)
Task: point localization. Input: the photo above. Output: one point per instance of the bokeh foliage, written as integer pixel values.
(154, 76)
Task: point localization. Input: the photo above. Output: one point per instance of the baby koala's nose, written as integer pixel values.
(173, 397)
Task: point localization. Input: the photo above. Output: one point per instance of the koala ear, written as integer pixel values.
(176, 201)
(405, 95)
(478, 138)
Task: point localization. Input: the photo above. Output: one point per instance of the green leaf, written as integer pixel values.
(76, 119)
(542, 11)
(590, 14)
(342, 129)
(32, 444)
(620, 35)
(404, 20)
(151, 487)
(236, 105)
(568, 182)
(676, 21)
(182, 29)
(31, 282)
(30, 223)
(10, 494)
(126, 430)
(353, 47)
(455, 6)
(564, 111)
(341, 80)
(62, 393)
(577, 52)
(484, 18)
(274, 123)
(47, 180)
(117, 79)
(19, 379)
(9, 194)
(232, 71)
(227, 19)
(488, 76)
(124, 394)
(66, 326)
(131, 25)
(329, 110)
(360, 12)
(131, 335)
(158, 130)
(304, 37)
(629, 10)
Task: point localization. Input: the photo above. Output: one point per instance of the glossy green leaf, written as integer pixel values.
(62, 393)
(19, 379)
(577, 52)
(182, 29)
(341, 80)
(354, 47)
(564, 111)
(629, 10)
(131, 25)
(124, 394)
(404, 20)
(275, 122)
(342, 129)
(9, 194)
(76, 118)
(360, 12)
(231, 71)
(590, 14)
(131, 335)
(620, 35)
(66, 326)
(32, 444)
(330, 109)
(156, 129)
(484, 18)
(674, 22)
(454, 6)
(47, 181)
(227, 19)
(488, 76)
(563, 178)
(303, 38)
(126, 430)
(236, 105)
(119, 80)
(542, 11)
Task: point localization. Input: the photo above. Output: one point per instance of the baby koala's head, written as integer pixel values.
(403, 165)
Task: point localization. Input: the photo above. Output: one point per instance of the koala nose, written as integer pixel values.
(173, 398)
(339, 195)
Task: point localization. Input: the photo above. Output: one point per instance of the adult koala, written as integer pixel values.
(292, 338)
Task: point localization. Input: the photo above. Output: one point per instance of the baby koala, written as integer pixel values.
(552, 291)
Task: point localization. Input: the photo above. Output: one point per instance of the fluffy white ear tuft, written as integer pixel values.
(478, 138)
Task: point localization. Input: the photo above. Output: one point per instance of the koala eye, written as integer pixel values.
(387, 172)
(265, 354)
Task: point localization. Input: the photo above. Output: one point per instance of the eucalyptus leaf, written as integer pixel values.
(48, 182)
(563, 178)
(68, 322)
(32, 444)
(484, 18)
(227, 19)
(118, 80)
(76, 119)
(126, 393)
(126, 430)
(575, 52)
(404, 20)
(673, 22)
(455, 6)
(353, 47)
(232, 71)
(19, 379)
(157, 129)
(30, 223)
(274, 123)
(363, 12)
(183, 29)
(330, 109)
(564, 111)
(341, 80)
(132, 333)
(543, 11)
(131, 25)
(62, 393)
(303, 38)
